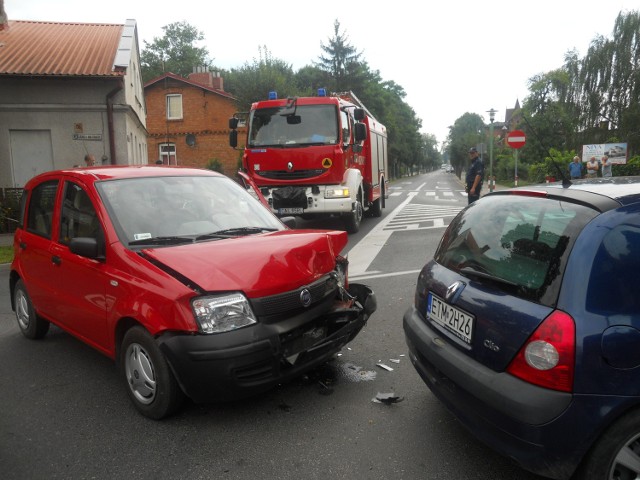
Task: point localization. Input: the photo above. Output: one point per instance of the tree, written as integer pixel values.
(467, 131)
(174, 52)
(253, 81)
(551, 118)
(341, 60)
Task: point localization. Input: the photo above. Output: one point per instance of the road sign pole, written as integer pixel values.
(516, 140)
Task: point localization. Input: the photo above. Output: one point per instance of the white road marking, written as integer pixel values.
(370, 275)
(366, 250)
(405, 217)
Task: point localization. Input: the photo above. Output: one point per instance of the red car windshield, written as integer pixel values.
(182, 206)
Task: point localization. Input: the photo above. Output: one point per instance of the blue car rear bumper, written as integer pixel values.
(542, 430)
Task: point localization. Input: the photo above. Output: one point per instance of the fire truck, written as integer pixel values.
(316, 156)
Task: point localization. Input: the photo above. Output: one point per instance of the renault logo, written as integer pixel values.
(305, 297)
(290, 166)
(453, 288)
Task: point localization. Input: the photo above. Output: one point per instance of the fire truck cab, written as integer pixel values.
(316, 156)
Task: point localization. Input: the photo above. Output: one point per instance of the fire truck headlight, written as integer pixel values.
(336, 193)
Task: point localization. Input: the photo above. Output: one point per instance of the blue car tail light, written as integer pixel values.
(547, 358)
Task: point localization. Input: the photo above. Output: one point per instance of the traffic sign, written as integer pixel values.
(516, 139)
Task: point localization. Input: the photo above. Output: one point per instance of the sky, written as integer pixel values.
(449, 56)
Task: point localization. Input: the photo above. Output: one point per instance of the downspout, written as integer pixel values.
(112, 141)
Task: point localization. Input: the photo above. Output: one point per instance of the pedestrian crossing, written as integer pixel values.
(438, 194)
(415, 216)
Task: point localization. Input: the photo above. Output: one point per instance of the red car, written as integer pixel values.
(184, 278)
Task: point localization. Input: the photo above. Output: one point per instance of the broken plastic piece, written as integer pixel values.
(394, 360)
(386, 367)
(387, 398)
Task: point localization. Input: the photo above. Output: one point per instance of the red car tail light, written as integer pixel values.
(547, 358)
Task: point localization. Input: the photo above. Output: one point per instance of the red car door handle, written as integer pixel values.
(56, 260)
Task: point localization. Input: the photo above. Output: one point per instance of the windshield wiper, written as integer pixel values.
(237, 231)
(470, 272)
(175, 240)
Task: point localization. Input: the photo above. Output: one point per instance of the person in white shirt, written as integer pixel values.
(592, 168)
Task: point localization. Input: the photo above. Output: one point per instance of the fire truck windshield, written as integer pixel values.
(318, 125)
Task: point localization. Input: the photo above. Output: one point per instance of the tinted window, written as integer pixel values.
(523, 241)
(40, 214)
(78, 217)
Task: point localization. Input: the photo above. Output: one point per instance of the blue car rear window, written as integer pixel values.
(518, 243)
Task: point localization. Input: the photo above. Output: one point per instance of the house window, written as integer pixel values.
(168, 154)
(174, 107)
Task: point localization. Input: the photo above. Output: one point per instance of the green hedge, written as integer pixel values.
(538, 172)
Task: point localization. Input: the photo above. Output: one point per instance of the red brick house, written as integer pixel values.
(188, 121)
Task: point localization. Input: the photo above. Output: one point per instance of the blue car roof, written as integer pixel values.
(600, 193)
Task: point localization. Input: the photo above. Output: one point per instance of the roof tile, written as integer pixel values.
(60, 49)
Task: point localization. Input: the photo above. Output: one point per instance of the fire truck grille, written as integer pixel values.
(287, 175)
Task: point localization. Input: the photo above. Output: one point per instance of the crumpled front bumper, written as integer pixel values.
(254, 359)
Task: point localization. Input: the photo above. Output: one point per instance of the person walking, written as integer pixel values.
(592, 168)
(575, 168)
(606, 167)
(475, 173)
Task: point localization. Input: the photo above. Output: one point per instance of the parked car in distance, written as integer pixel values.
(449, 169)
(183, 278)
(526, 325)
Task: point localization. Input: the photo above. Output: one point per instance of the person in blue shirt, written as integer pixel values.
(475, 173)
(575, 168)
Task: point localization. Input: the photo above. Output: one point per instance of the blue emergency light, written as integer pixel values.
(322, 92)
(273, 95)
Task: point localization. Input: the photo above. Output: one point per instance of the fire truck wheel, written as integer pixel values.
(353, 219)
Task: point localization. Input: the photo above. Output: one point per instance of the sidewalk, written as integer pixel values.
(485, 186)
(6, 239)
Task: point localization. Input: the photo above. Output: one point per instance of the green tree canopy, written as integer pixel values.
(340, 60)
(174, 52)
(253, 81)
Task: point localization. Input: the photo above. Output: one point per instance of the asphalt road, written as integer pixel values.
(64, 412)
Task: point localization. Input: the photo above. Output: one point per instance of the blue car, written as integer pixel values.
(526, 325)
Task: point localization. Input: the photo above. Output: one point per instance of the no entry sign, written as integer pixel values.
(516, 139)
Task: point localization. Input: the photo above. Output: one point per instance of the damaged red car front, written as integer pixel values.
(182, 277)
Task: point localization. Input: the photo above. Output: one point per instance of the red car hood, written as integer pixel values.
(258, 265)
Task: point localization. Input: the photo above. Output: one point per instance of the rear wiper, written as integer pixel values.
(162, 241)
(238, 231)
(470, 272)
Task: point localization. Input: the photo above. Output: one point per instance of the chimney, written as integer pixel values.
(217, 82)
(204, 77)
(4, 21)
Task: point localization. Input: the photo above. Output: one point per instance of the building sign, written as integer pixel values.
(88, 136)
(617, 152)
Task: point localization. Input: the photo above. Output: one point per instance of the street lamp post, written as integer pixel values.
(492, 116)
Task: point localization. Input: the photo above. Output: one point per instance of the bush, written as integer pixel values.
(631, 168)
(9, 212)
(215, 165)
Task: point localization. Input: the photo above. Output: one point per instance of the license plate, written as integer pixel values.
(451, 318)
(290, 210)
